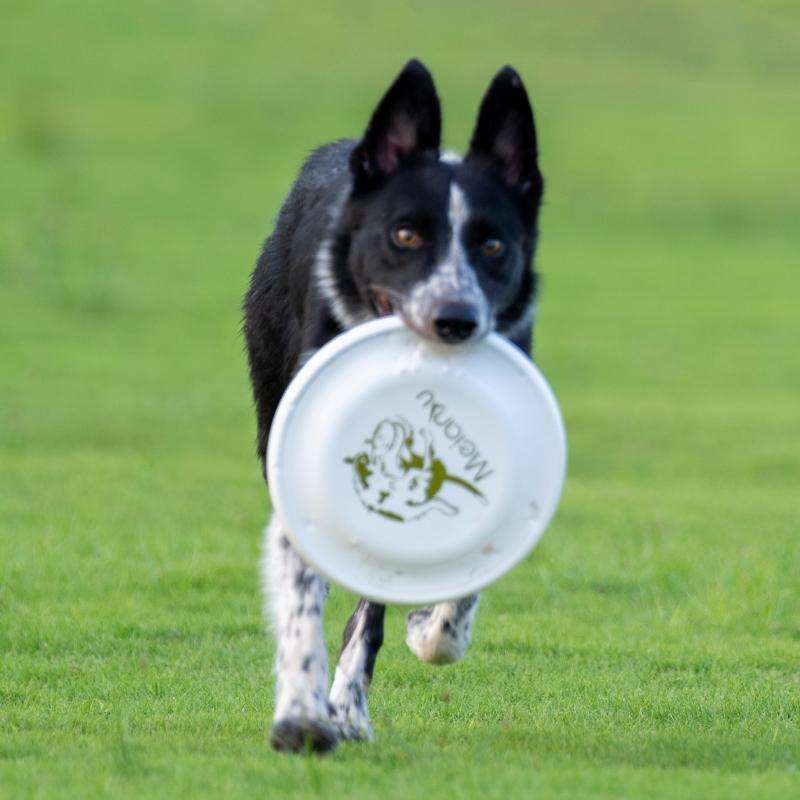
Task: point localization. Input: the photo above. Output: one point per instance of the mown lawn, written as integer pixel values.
(650, 647)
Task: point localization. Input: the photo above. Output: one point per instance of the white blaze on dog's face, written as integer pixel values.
(445, 243)
(450, 303)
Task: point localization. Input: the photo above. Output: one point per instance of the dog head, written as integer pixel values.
(446, 243)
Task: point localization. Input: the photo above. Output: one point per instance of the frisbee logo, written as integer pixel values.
(400, 475)
(454, 433)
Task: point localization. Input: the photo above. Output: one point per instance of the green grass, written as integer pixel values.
(650, 647)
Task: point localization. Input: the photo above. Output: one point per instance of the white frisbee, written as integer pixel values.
(411, 472)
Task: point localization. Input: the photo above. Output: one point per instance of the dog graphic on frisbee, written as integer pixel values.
(401, 477)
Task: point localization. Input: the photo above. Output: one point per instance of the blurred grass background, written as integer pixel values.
(650, 647)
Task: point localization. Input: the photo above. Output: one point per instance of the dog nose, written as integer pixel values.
(455, 322)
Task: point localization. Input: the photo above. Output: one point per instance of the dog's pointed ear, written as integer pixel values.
(406, 122)
(504, 139)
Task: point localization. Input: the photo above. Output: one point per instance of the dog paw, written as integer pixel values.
(352, 727)
(349, 715)
(348, 732)
(299, 735)
(433, 640)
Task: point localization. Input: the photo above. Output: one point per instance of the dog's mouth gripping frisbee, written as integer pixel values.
(412, 472)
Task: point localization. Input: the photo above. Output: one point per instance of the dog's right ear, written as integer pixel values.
(406, 122)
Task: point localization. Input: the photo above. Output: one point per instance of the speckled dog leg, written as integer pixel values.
(295, 600)
(440, 634)
(361, 641)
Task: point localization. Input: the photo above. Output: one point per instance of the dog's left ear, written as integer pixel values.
(505, 136)
(406, 122)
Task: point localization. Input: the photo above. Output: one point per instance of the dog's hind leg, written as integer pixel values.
(362, 638)
(440, 634)
(296, 596)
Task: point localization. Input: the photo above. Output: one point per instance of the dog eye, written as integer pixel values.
(406, 238)
(493, 248)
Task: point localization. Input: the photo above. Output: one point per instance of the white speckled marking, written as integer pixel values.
(326, 282)
(441, 634)
(453, 280)
(348, 695)
(295, 598)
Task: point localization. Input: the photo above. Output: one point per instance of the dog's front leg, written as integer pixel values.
(440, 634)
(296, 597)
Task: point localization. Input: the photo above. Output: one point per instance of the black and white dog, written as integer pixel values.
(387, 225)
